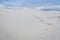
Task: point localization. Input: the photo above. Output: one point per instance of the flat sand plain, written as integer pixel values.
(29, 24)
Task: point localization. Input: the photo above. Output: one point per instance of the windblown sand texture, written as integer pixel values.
(29, 24)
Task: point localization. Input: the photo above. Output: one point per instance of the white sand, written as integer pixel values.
(29, 24)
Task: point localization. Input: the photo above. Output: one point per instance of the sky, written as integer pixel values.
(30, 2)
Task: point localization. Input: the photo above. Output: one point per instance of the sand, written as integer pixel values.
(29, 24)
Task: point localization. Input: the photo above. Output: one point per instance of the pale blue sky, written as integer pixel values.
(33, 2)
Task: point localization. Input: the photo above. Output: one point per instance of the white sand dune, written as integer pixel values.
(29, 24)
